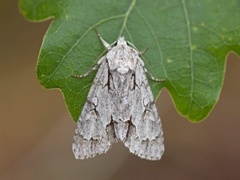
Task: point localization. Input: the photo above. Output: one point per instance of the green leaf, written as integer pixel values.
(188, 43)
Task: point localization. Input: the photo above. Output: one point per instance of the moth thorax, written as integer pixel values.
(123, 70)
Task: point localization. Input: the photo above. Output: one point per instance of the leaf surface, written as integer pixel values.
(187, 42)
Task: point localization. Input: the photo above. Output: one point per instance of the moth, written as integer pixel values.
(119, 107)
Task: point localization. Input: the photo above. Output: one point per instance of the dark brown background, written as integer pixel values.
(36, 131)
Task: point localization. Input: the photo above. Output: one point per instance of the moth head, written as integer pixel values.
(121, 41)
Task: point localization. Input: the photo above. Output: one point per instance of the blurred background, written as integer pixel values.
(36, 131)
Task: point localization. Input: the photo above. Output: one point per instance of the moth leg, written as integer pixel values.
(144, 51)
(87, 73)
(95, 67)
(106, 45)
(140, 52)
(153, 78)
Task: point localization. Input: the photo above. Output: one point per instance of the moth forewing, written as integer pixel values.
(119, 106)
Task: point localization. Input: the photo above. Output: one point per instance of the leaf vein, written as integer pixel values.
(186, 15)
